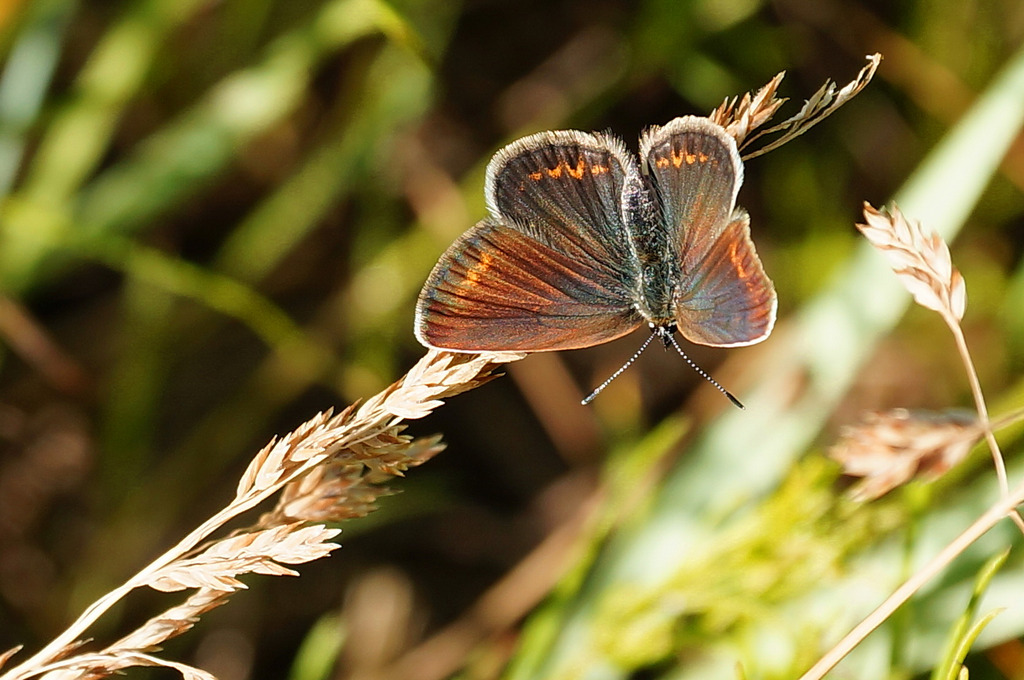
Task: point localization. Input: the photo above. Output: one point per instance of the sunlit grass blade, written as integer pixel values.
(966, 630)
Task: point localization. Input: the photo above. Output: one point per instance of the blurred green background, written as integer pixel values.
(216, 217)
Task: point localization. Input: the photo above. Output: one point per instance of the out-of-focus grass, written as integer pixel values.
(222, 212)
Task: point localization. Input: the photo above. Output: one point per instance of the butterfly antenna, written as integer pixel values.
(702, 373)
(619, 372)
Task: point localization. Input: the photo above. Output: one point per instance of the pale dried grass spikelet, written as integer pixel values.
(339, 489)
(172, 622)
(95, 666)
(371, 440)
(888, 449)
(256, 552)
(920, 259)
(136, 648)
(741, 117)
(327, 469)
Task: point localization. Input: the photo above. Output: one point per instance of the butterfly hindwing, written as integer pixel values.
(499, 289)
(727, 300)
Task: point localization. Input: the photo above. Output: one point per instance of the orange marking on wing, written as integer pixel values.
(578, 171)
(474, 275)
(691, 158)
(661, 162)
(737, 261)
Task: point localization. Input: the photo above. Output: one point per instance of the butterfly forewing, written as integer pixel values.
(722, 296)
(551, 269)
(564, 188)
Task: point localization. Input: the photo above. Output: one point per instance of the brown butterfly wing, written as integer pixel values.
(497, 289)
(728, 300)
(552, 268)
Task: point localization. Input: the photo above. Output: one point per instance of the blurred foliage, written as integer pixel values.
(216, 217)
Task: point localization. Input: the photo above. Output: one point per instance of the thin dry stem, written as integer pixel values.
(327, 469)
(979, 403)
(876, 618)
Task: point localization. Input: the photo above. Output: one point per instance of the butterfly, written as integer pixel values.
(585, 242)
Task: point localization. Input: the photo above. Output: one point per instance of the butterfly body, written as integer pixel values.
(654, 253)
(586, 242)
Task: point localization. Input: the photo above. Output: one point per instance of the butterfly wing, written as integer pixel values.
(723, 297)
(498, 289)
(551, 268)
